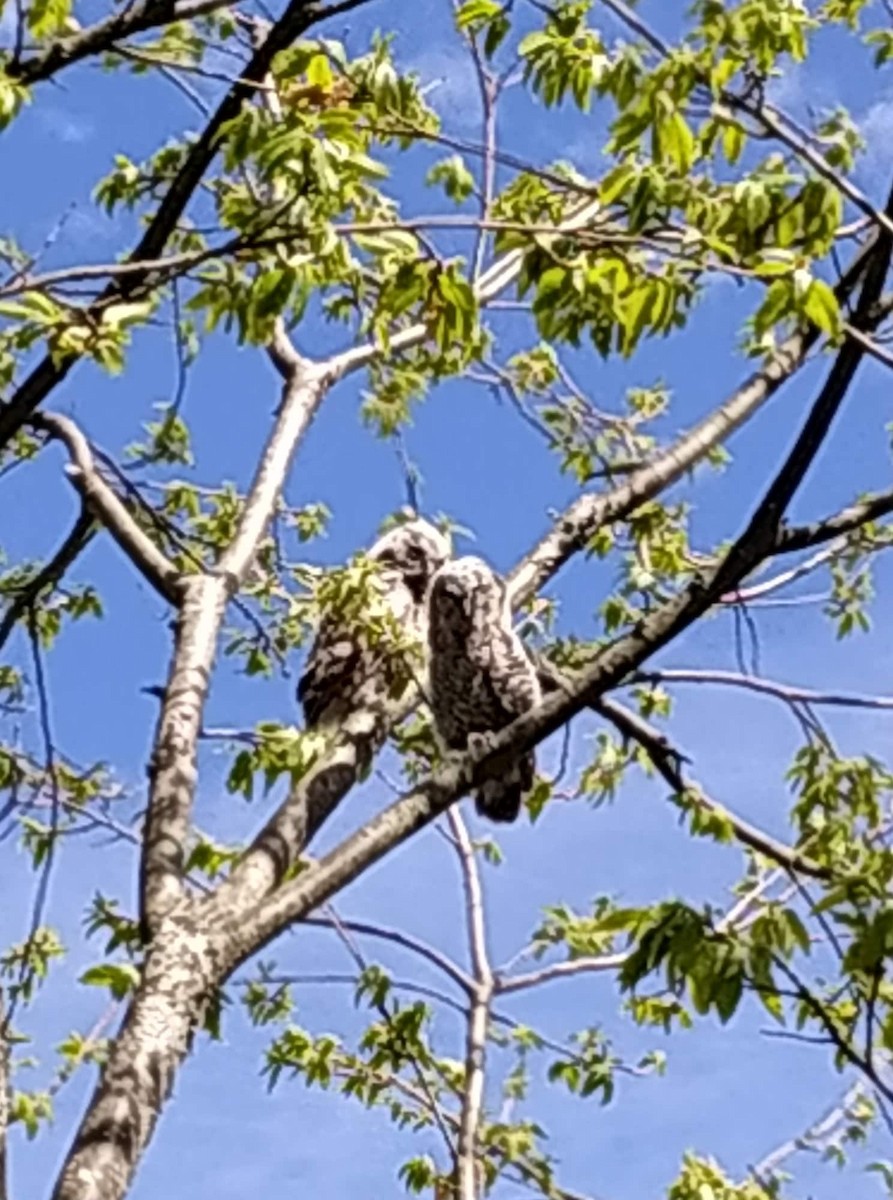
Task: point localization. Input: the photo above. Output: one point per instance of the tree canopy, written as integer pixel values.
(603, 291)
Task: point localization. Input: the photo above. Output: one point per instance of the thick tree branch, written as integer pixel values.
(80, 535)
(180, 973)
(108, 509)
(173, 767)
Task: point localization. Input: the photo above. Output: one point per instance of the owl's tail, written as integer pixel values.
(501, 799)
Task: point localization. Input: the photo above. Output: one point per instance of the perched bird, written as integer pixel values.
(352, 663)
(480, 675)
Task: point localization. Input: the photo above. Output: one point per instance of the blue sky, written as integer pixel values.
(731, 1092)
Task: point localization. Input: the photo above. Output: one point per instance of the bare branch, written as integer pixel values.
(767, 687)
(816, 1137)
(398, 938)
(800, 537)
(585, 965)
(108, 510)
(832, 1028)
(667, 762)
(744, 595)
(468, 1171)
(173, 769)
(304, 390)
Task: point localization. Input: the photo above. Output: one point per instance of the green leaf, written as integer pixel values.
(120, 978)
(821, 307)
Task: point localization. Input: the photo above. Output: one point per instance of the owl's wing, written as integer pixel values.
(331, 675)
(513, 676)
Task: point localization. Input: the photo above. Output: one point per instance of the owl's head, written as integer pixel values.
(467, 589)
(415, 550)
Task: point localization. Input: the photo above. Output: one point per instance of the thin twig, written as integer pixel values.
(767, 687)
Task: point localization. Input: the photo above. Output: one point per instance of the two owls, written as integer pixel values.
(480, 676)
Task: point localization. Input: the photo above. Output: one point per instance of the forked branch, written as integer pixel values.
(108, 509)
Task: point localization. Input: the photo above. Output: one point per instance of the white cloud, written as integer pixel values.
(65, 126)
(448, 74)
(874, 165)
(789, 91)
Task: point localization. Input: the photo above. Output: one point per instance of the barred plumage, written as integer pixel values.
(345, 670)
(480, 676)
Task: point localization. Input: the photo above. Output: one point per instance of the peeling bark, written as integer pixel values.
(181, 970)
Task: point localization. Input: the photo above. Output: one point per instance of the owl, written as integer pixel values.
(480, 675)
(347, 670)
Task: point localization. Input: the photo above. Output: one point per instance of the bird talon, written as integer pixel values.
(482, 743)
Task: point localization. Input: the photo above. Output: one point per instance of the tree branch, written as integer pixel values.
(817, 1136)
(781, 691)
(135, 18)
(173, 767)
(468, 1172)
(593, 510)
(399, 938)
(800, 537)
(667, 762)
(755, 591)
(179, 976)
(109, 511)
